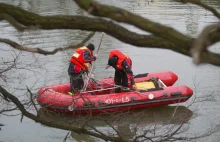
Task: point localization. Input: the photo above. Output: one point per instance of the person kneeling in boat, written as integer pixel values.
(123, 73)
(79, 65)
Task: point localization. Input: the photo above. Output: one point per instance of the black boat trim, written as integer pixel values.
(140, 75)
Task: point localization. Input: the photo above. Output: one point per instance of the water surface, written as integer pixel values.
(47, 70)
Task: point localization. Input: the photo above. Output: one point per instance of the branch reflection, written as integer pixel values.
(123, 122)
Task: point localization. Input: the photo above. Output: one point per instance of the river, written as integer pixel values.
(46, 70)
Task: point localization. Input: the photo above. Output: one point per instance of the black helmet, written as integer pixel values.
(91, 47)
(113, 61)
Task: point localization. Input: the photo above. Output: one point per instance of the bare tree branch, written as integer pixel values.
(203, 42)
(29, 19)
(32, 99)
(44, 52)
(67, 135)
(12, 21)
(163, 37)
(183, 42)
(107, 19)
(121, 15)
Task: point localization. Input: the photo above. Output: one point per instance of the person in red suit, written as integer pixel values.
(79, 65)
(123, 73)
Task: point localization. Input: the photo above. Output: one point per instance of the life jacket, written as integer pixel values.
(78, 58)
(121, 57)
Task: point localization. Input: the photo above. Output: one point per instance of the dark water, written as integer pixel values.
(47, 70)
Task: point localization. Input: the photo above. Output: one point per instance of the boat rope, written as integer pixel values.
(114, 86)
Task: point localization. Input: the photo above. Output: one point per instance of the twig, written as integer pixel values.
(67, 136)
(41, 51)
(32, 99)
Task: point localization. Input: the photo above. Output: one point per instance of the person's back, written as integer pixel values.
(122, 64)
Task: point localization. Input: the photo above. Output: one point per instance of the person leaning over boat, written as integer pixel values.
(79, 65)
(123, 73)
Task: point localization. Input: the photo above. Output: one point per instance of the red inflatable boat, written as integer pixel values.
(154, 89)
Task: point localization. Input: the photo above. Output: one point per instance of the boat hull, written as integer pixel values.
(114, 108)
(111, 102)
(56, 97)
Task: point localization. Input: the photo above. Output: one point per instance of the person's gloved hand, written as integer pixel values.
(95, 56)
(107, 67)
(134, 87)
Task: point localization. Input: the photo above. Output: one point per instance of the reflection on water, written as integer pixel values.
(122, 121)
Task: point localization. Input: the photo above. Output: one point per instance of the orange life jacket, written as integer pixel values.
(78, 58)
(121, 57)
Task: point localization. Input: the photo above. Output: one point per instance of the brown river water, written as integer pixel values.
(47, 70)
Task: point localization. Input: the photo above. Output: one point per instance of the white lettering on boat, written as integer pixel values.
(118, 100)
